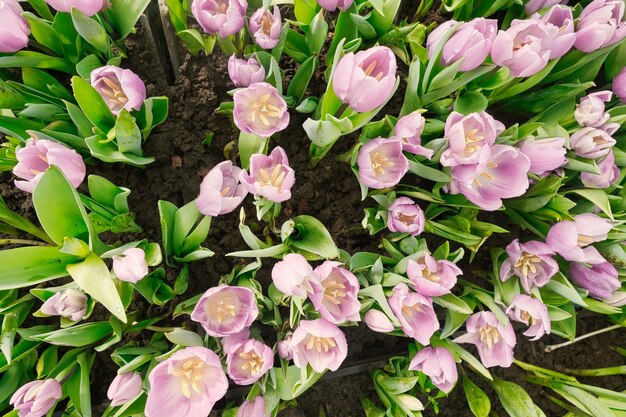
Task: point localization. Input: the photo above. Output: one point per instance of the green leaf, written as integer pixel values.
(316, 35)
(597, 197)
(126, 13)
(197, 42)
(128, 135)
(90, 30)
(300, 81)
(453, 303)
(312, 236)
(470, 102)
(304, 10)
(108, 152)
(92, 105)
(248, 145)
(514, 399)
(477, 400)
(24, 267)
(44, 33)
(28, 59)
(76, 336)
(78, 386)
(428, 173)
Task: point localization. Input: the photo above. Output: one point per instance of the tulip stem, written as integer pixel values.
(22, 242)
(552, 348)
(614, 370)
(341, 110)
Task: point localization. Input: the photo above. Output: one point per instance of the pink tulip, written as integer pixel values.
(220, 191)
(283, 347)
(233, 339)
(336, 295)
(14, 29)
(571, 239)
(591, 142)
(619, 85)
(405, 216)
(409, 130)
(36, 398)
(253, 408)
(378, 321)
(220, 17)
(318, 343)
(600, 24)
(600, 279)
(381, 163)
(294, 276)
(531, 312)
(494, 341)
(187, 384)
(535, 5)
(260, 110)
(270, 176)
(70, 303)
(124, 388)
(248, 361)
(365, 80)
(545, 155)
(431, 277)
(119, 88)
(560, 23)
(590, 111)
(37, 155)
(243, 73)
(87, 7)
(132, 266)
(468, 137)
(266, 27)
(438, 363)
(532, 262)
(332, 5)
(225, 310)
(609, 173)
(415, 313)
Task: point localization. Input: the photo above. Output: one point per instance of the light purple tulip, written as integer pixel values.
(270, 176)
(409, 130)
(378, 321)
(591, 142)
(545, 155)
(502, 175)
(248, 361)
(381, 163)
(438, 363)
(534, 6)
(132, 266)
(225, 310)
(124, 388)
(187, 384)
(243, 73)
(36, 398)
(260, 110)
(119, 88)
(87, 7)
(318, 343)
(220, 17)
(294, 276)
(37, 155)
(415, 313)
(600, 24)
(600, 279)
(532, 262)
(335, 296)
(571, 239)
(618, 299)
(365, 80)
(283, 347)
(266, 27)
(560, 23)
(494, 341)
(590, 111)
(619, 85)
(405, 216)
(253, 408)
(14, 29)
(609, 173)
(431, 277)
(468, 137)
(332, 5)
(221, 191)
(234, 339)
(531, 312)
(71, 304)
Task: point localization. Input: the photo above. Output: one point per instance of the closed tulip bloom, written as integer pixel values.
(609, 173)
(225, 310)
(545, 155)
(571, 239)
(560, 23)
(365, 80)
(248, 361)
(600, 279)
(36, 398)
(260, 110)
(600, 24)
(283, 347)
(266, 27)
(270, 176)
(415, 313)
(14, 29)
(431, 277)
(618, 299)
(319, 343)
(409, 130)
(220, 17)
(532, 262)
(378, 321)
(253, 408)
(494, 341)
(468, 136)
(619, 85)
(220, 191)
(590, 111)
(234, 339)
(187, 384)
(381, 163)
(132, 266)
(405, 216)
(243, 73)
(294, 276)
(524, 48)
(336, 294)
(37, 155)
(591, 142)
(119, 88)
(438, 363)
(71, 304)
(531, 312)
(332, 5)
(533, 6)
(87, 7)
(124, 387)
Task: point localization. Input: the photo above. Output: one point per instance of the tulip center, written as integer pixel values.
(222, 6)
(527, 262)
(431, 276)
(273, 179)
(251, 362)
(489, 335)
(584, 240)
(525, 315)
(599, 140)
(191, 372)
(407, 220)
(115, 94)
(470, 141)
(379, 163)
(266, 23)
(485, 175)
(223, 309)
(225, 191)
(370, 68)
(408, 310)
(334, 291)
(264, 109)
(320, 343)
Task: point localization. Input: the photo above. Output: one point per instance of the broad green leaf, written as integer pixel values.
(28, 59)
(597, 197)
(90, 30)
(477, 400)
(127, 134)
(312, 236)
(126, 13)
(76, 336)
(92, 104)
(78, 386)
(514, 399)
(25, 267)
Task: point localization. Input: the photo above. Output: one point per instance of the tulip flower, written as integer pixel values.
(283, 347)
(495, 341)
(260, 110)
(318, 343)
(365, 80)
(234, 339)
(378, 321)
(37, 155)
(119, 88)
(600, 24)
(87, 7)
(468, 136)
(70, 303)
(409, 129)
(619, 85)
(336, 295)
(132, 266)
(270, 176)
(590, 111)
(535, 5)
(381, 163)
(243, 73)
(600, 279)
(225, 310)
(532, 262)
(618, 299)
(431, 277)
(438, 363)
(405, 216)
(266, 27)
(14, 29)
(415, 313)
(609, 173)
(124, 388)
(248, 361)
(220, 17)
(294, 275)
(531, 312)
(187, 384)
(36, 398)
(560, 23)
(221, 191)
(571, 239)
(332, 5)
(545, 155)
(253, 408)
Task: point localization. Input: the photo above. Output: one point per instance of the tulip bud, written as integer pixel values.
(253, 408)
(248, 361)
(533, 313)
(415, 313)
(332, 5)
(284, 347)
(560, 24)
(36, 398)
(545, 155)
(119, 88)
(132, 266)
(619, 85)
(87, 7)
(221, 191)
(124, 387)
(381, 163)
(535, 5)
(260, 110)
(243, 73)
(405, 216)
(609, 173)
(524, 48)
(600, 24)
(220, 17)
(14, 29)
(590, 111)
(266, 27)
(409, 130)
(378, 321)
(438, 363)
(70, 303)
(270, 176)
(601, 279)
(591, 142)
